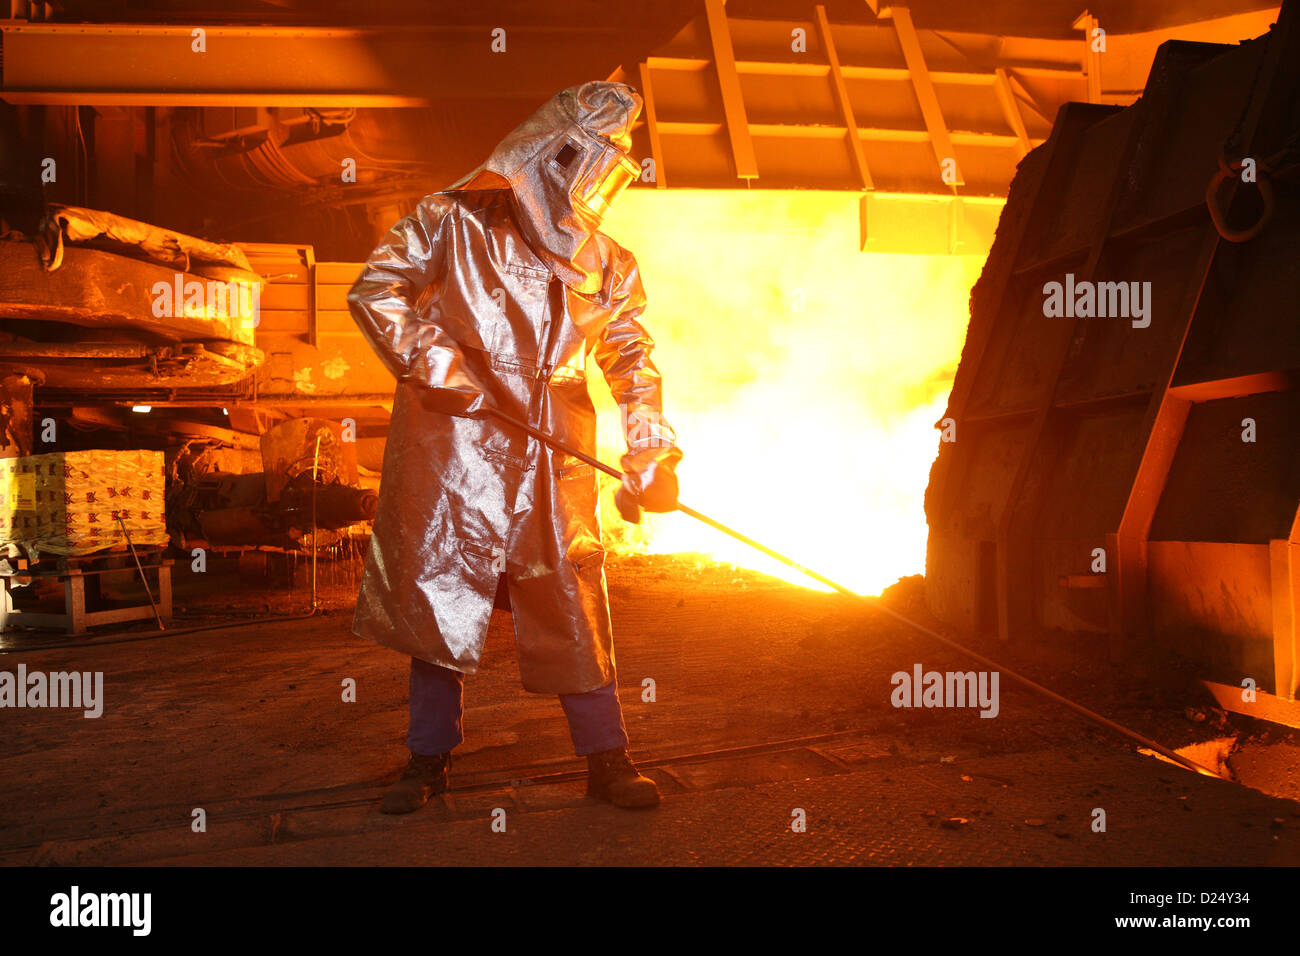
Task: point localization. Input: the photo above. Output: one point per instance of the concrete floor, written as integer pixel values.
(770, 700)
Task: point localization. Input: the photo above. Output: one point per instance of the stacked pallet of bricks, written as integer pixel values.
(70, 503)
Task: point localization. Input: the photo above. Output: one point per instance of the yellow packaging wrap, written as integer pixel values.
(68, 503)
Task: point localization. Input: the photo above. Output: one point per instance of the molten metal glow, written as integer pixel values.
(804, 379)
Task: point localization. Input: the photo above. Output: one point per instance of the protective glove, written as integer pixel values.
(654, 490)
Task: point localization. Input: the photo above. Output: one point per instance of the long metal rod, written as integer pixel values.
(872, 602)
(315, 473)
(143, 579)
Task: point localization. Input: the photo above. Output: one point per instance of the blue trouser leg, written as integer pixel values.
(436, 708)
(595, 720)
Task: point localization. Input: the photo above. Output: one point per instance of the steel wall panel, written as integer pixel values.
(1239, 328)
(1221, 488)
(1082, 433)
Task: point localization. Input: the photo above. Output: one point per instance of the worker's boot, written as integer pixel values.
(423, 777)
(612, 777)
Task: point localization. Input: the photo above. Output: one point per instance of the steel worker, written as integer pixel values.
(490, 295)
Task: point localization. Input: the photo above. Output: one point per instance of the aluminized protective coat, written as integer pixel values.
(492, 294)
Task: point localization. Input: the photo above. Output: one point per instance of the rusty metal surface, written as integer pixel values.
(314, 447)
(97, 289)
(77, 225)
(137, 324)
(1083, 433)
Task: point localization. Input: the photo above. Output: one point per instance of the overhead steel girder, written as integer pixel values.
(139, 65)
(849, 106)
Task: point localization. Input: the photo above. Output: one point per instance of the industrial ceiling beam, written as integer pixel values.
(926, 97)
(652, 128)
(1012, 112)
(842, 100)
(733, 101)
(143, 65)
(689, 64)
(806, 131)
(729, 89)
(1091, 54)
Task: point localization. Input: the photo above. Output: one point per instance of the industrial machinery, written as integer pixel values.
(1128, 467)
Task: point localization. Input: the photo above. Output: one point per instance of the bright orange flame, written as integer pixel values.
(803, 376)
